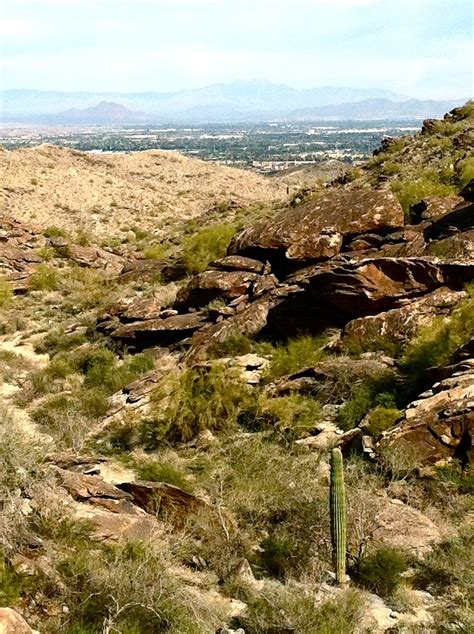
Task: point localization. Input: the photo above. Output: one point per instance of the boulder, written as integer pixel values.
(459, 246)
(404, 527)
(248, 321)
(13, 623)
(160, 497)
(369, 285)
(159, 332)
(440, 423)
(434, 207)
(402, 323)
(210, 285)
(238, 263)
(151, 270)
(461, 218)
(317, 229)
(94, 257)
(107, 525)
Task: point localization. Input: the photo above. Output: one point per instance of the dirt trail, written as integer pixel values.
(20, 416)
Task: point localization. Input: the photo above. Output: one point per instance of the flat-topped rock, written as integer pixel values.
(316, 230)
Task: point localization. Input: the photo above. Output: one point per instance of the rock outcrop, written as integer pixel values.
(18, 252)
(440, 423)
(317, 229)
(344, 260)
(13, 623)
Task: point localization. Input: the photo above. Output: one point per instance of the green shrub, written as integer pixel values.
(289, 609)
(381, 571)
(413, 190)
(436, 344)
(155, 252)
(59, 341)
(381, 419)
(291, 417)
(207, 245)
(128, 588)
(301, 352)
(233, 346)
(389, 168)
(156, 471)
(54, 232)
(461, 479)
(47, 253)
(448, 566)
(63, 416)
(466, 171)
(10, 583)
(374, 391)
(275, 553)
(6, 292)
(44, 278)
(195, 400)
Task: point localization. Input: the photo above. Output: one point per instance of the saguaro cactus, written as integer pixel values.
(338, 515)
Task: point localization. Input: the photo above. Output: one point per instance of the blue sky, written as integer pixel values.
(421, 48)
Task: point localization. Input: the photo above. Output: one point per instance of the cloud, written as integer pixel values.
(173, 44)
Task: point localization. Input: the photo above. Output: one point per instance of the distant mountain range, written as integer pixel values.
(253, 101)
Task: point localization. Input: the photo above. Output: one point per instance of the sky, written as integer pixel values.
(420, 48)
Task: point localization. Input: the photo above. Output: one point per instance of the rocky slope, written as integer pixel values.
(109, 194)
(165, 445)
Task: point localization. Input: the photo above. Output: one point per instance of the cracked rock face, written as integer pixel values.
(440, 423)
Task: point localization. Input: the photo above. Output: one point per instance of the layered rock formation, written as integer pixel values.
(344, 260)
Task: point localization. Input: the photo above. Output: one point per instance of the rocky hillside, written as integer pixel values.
(170, 412)
(109, 194)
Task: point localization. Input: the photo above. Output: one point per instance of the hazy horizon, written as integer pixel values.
(417, 48)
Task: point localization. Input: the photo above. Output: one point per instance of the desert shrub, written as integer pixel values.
(157, 471)
(233, 346)
(44, 278)
(195, 400)
(84, 288)
(155, 252)
(59, 341)
(460, 479)
(54, 232)
(400, 460)
(355, 346)
(381, 419)
(375, 391)
(208, 244)
(127, 588)
(381, 571)
(6, 292)
(448, 565)
(20, 460)
(101, 367)
(436, 344)
(290, 417)
(68, 416)
(466, 171)
(289, 609)
(47, 253)
(389, 168)
(413, 190)
(11, 583)
(296, 354)
(82, 238)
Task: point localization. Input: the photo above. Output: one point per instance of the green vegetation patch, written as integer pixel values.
(205, 246)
